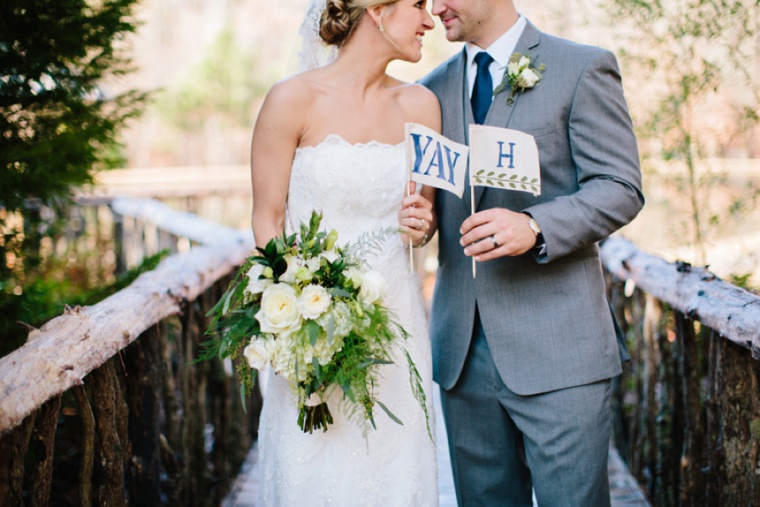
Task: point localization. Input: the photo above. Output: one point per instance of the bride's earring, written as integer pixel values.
(381, 27)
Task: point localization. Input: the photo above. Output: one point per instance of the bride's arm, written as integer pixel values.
(275, 138)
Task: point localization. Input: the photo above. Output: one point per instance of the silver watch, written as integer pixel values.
(534, 226)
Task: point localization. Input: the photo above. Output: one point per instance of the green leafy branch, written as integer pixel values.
(504, 181)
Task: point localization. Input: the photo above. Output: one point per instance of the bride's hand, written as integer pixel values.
(416, 218)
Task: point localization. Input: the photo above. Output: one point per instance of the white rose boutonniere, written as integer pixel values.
(521, 76)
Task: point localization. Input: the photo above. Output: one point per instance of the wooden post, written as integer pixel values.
(692, 455)
(88, 445)
(104, 394)
(143, 473)
(13, 446)
(43, 440)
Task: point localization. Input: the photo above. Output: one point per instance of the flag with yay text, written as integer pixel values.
(435, 160)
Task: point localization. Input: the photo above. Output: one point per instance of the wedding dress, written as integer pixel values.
(358, 188)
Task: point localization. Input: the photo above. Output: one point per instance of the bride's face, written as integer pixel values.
(405, 24)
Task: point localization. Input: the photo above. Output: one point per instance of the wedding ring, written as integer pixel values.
(495, 243)
(420, 224)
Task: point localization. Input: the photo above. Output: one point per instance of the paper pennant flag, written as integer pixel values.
(435, 160)
(504, 158)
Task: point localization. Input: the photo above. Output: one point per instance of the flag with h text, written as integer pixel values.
(504, 158)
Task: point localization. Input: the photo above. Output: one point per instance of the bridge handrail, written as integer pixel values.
(61, 353)
(730, 310)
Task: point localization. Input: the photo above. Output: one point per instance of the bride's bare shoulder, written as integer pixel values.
(295, 91)
(421, 104)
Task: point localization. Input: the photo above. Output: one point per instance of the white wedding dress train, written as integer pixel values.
(358, 188)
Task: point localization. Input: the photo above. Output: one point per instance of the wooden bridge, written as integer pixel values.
(105, 405)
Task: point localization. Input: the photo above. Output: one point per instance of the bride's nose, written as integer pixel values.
(428, 22)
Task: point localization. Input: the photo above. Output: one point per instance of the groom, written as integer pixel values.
(524, 353)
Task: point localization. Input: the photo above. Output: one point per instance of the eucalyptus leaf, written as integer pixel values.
(389, 413)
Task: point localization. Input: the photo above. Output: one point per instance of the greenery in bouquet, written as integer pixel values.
(313, 312)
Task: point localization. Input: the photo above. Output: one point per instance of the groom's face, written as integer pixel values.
(464, 20)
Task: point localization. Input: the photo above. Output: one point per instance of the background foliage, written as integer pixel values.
(57, 127)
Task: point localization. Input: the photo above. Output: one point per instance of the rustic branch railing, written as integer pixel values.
(110, 392)
(688, 405)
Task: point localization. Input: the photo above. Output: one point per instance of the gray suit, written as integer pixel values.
(546, 325)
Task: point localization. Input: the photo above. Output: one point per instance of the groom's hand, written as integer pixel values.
(495, 233)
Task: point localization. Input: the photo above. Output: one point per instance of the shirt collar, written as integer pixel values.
(502, 48)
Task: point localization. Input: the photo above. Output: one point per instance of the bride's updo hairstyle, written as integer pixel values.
(340, 17)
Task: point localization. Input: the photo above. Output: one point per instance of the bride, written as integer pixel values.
(331, 139)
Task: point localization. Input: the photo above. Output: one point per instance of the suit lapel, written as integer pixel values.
(500, 113)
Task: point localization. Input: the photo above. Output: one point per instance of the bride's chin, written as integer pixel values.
(412, 58)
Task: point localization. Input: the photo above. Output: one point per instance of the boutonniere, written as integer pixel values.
(521, 76)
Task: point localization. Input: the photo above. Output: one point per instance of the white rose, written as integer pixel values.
(279, 310)
(256, 286)
(513, 68)
(257, 353)
(373, 287)
(524, 62)
(529, 78)
(314, 301)
(289, 275)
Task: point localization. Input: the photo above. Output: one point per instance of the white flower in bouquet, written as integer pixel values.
(324, 350)
(314, 301)
(330, 255)
(339, 317)
(294, 263)
(257, 352)
(372, 287)
(279, 311)
(304, 275)
(313, 264)
(354, 276)
(255, 285)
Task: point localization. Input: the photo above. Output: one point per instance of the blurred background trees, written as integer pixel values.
(57, 128)
(690, 71)
(693, 69)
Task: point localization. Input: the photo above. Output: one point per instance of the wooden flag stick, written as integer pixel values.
(408, 149)
(472, 212)
(411, 247)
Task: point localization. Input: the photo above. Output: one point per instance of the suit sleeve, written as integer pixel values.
(605, 155)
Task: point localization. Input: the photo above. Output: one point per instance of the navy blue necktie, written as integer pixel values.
(482, 91)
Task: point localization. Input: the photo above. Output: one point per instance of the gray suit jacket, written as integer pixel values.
(545, 315)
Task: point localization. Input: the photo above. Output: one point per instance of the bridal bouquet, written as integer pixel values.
(310, 310)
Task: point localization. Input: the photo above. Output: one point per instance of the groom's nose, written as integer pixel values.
(438, 7)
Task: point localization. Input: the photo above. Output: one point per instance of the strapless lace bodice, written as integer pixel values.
(358, 188)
